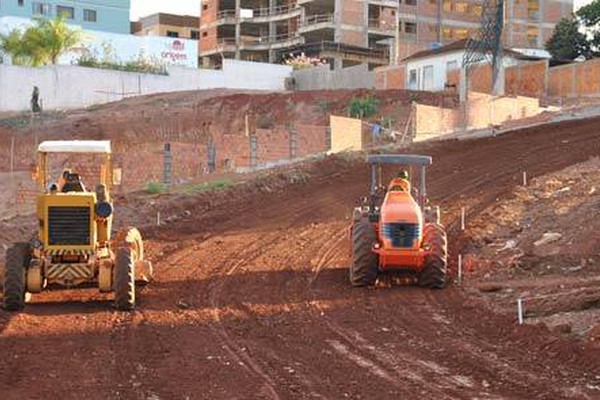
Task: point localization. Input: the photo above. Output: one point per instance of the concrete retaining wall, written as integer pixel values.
(63, 87)
(322, 78)
(483, 111)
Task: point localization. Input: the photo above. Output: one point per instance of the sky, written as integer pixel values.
(140, 8)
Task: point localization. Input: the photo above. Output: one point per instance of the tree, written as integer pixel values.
(40, 44)
(589, 16)
(567, 42)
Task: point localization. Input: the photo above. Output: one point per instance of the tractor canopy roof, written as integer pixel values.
(75, 146)
(408, 159)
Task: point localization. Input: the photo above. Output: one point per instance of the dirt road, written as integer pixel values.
(252, 301)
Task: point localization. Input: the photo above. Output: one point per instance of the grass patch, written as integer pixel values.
(155, 187)
(196, 188)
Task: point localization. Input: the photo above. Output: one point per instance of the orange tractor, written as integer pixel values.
(395, 231)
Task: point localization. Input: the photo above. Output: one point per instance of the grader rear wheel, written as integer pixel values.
(17, 258)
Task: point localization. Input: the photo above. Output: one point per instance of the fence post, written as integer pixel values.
(167, 165)
(293, 135)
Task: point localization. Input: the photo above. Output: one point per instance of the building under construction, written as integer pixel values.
(349, 32)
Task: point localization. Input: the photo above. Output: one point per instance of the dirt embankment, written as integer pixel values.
(195, 115)
(252, 300)
(542, 244)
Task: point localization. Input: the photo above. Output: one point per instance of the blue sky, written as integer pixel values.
(140, 8)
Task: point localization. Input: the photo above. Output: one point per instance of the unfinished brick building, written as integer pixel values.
(349, 32)
(528, 23)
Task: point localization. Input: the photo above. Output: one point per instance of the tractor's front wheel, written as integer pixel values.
(124, 280)
(17, 258)
(365, 264)
(436, 262)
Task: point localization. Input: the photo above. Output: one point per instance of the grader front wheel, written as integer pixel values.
(17, 258)
(124, 282)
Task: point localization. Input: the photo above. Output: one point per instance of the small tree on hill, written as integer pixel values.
(40, 44)
(567, 42)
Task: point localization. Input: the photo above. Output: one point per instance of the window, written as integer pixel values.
(195, 35)
(21, 2)
(462, 33)
(204, 7)
(451, 65)
(204, 34)
(477, 10)
(447, 5)
(67, 12)
(428, 77)
(461, 7)
(172, 34)
(90, 16)
(411, 2)
(412, 79)
(410, 27)
(41, 9)
(447, 33)
(532, 36)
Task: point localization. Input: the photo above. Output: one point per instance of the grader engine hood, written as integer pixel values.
(400, 222)
(67, 221)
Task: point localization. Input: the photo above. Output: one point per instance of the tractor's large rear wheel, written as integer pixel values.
(124, 280)
(365, 263)
(17, 258)
(434, 273)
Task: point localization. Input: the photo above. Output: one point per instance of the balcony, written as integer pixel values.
(270, 42)
(385, 3)
(377, 26)
(327, 49)
(259, 15)
(317, 22)
(255, 43)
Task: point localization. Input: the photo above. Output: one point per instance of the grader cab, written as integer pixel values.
(73, 247)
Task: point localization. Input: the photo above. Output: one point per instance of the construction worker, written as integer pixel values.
(401, 183)
(403, 174)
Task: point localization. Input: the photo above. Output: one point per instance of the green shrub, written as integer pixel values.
(363, 107)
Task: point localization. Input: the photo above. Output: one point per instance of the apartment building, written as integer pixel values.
(168, 25)
(347, 32)
(98, 15)
(344, 32)
(430, 23)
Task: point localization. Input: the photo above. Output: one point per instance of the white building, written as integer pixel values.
(428, 69)
(119, 47)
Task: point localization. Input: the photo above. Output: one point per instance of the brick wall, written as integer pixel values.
(575, 80)
(527, 79)
(390, 77)
(310, 139)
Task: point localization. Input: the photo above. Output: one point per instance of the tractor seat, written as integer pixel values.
(73, 184)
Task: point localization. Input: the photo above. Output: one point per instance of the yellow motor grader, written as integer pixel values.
(74, 247)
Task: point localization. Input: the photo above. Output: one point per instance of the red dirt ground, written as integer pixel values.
(252, 300)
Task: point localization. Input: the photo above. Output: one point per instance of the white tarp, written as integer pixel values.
(75, 146)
